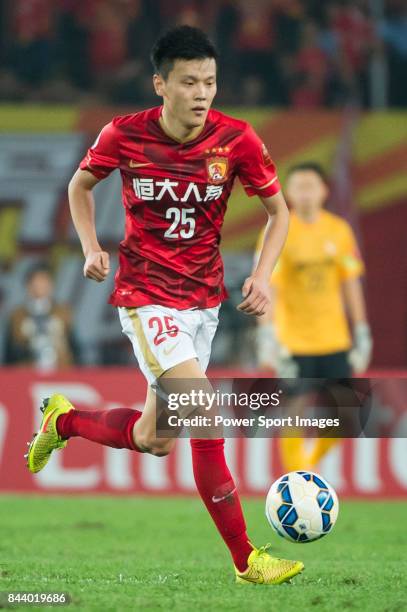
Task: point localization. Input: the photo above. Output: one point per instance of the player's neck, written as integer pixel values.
(176, 130)
(309, 216)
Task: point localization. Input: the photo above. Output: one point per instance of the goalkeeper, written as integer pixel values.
(316, 287)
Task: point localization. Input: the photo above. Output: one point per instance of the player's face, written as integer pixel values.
(189, 90)
(306, 191)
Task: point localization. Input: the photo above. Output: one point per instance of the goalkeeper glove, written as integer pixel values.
(361, 352)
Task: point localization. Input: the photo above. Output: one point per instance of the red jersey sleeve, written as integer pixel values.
(103, 155)
(255, 168)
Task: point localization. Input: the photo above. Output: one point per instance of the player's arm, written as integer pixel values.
(351, 269)
(361, 352)
(267, 318)
(101, 159)
(355, 301)
(82, 206)
(256, 288)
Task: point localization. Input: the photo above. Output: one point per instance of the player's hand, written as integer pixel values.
(361, 352)
(97, 265)
(256, 294)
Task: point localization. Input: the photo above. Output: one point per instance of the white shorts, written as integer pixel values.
(164, 337)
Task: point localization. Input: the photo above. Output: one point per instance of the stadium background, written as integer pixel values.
(318, 81)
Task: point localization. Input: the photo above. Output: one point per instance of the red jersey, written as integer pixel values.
(175, 197)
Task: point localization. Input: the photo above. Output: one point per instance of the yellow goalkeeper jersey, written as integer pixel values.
(310, 317)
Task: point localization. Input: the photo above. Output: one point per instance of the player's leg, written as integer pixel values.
(145, 430)
(212, 476)
(294, 451)
(333, 366)
(218, 491)
(62, 421)
(118, 427)
(215, 482)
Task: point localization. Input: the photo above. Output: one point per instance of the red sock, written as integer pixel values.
(218, 491)
(109, 427)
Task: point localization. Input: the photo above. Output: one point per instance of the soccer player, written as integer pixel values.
(178, 162)
(316, 282)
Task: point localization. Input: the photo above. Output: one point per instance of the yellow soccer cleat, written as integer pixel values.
(265, 569)
(47, 439)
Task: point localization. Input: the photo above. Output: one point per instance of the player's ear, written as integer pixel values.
(158, 83)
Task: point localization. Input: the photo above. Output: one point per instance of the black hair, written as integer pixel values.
(38, 268)
(183, 42)
(309, 166)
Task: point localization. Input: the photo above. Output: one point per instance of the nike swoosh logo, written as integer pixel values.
(169, 350)
(256, 579)
(45, 425)
(133, 164)
(216, 500)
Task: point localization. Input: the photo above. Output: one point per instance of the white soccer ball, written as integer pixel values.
(302, 507)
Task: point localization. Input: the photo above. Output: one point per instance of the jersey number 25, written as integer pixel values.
(183, 223)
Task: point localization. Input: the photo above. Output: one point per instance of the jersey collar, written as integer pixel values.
(167, 133)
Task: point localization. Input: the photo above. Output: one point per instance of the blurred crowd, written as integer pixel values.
(297, 53)
(39, 331)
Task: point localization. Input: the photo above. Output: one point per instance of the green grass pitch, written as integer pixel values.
(164, 554)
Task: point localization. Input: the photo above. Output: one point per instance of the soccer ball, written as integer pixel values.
(302, 506)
